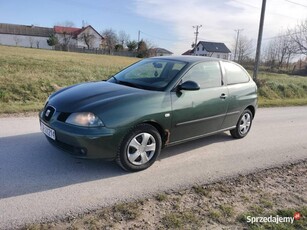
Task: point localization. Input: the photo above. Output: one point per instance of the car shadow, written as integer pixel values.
(29, 164)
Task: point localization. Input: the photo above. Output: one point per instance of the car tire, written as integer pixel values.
(243, 126)
(139, 148)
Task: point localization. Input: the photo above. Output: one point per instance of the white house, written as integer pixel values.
(212, 49)
(36, 37)
(85, 37)
(26, 36)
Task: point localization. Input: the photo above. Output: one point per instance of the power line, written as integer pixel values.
(296, 3)
(256, 7)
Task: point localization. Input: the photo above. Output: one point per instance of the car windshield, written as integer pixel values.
(152, 74)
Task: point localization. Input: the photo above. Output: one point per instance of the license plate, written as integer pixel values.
(48, 131)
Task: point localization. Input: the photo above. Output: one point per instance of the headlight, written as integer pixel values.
(86, 119)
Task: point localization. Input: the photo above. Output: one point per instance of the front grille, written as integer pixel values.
(63, 116)
(48, 113)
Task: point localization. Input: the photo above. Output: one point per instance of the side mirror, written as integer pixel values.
(189, 85)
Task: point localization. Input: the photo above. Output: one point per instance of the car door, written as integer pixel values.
(199, 112)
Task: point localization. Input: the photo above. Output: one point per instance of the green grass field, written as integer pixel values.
(28, 76)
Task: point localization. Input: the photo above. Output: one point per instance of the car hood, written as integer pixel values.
(87, 95)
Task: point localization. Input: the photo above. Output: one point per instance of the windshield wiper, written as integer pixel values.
(114, 79)
(129, 84)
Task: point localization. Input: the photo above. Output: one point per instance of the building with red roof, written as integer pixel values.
(35, 36)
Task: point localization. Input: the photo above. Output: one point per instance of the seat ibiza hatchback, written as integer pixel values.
(151, 104)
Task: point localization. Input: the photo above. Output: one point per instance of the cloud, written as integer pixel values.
(218, 18)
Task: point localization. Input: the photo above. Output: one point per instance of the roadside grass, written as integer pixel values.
(282, 90)
(276, 192)
(28, 76)
(181, 220)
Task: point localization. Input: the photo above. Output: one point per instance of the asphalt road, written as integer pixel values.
(39, 182)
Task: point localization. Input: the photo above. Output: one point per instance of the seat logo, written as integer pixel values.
(47, 113)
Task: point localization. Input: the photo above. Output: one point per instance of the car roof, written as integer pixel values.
(186, 58)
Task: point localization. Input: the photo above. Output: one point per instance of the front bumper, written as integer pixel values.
(83, 142)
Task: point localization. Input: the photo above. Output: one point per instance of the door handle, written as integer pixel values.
(223, 96)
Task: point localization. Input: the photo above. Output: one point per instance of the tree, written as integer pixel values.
(280, 51)
(244, 48)
(65, 38)
(132, 45)
(270, 54)
(52, 40)
(87, 38)
(66, 24)
(123, 38)
(110, 39)
(17, 40)
(65, 35)
(142, 49)
(31, 41)
(119, 47)
(299, 37)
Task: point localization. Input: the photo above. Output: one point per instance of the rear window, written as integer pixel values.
(235, 73)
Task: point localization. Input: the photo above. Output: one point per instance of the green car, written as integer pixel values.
(154, 103)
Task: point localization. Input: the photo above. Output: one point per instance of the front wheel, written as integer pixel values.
(140, 148)
(243, 126)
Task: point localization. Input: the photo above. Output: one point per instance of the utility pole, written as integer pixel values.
(237, 40)
(196, 35)
(257, 58)
(139, 35)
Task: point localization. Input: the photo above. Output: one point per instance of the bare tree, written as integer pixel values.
(17, 40)
(280, 51)
(65, 35)
(244, 48)
(31, 41)
(123, 38)
(110, 39)
(65, 24)
(65, 38)
(87, 38)
(299, 37)
(270, 54)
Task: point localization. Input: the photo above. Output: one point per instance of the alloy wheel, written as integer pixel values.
(245, 123)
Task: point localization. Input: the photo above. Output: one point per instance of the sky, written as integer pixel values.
(164, 23)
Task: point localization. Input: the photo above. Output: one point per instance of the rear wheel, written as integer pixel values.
(243, 126)
(140, 148)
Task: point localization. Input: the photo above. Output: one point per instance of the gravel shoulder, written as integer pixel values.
(224, 204)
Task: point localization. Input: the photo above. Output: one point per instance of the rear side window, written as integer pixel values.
(206, 74)
(235, 74)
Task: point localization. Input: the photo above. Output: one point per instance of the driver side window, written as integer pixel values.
(206, 74)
